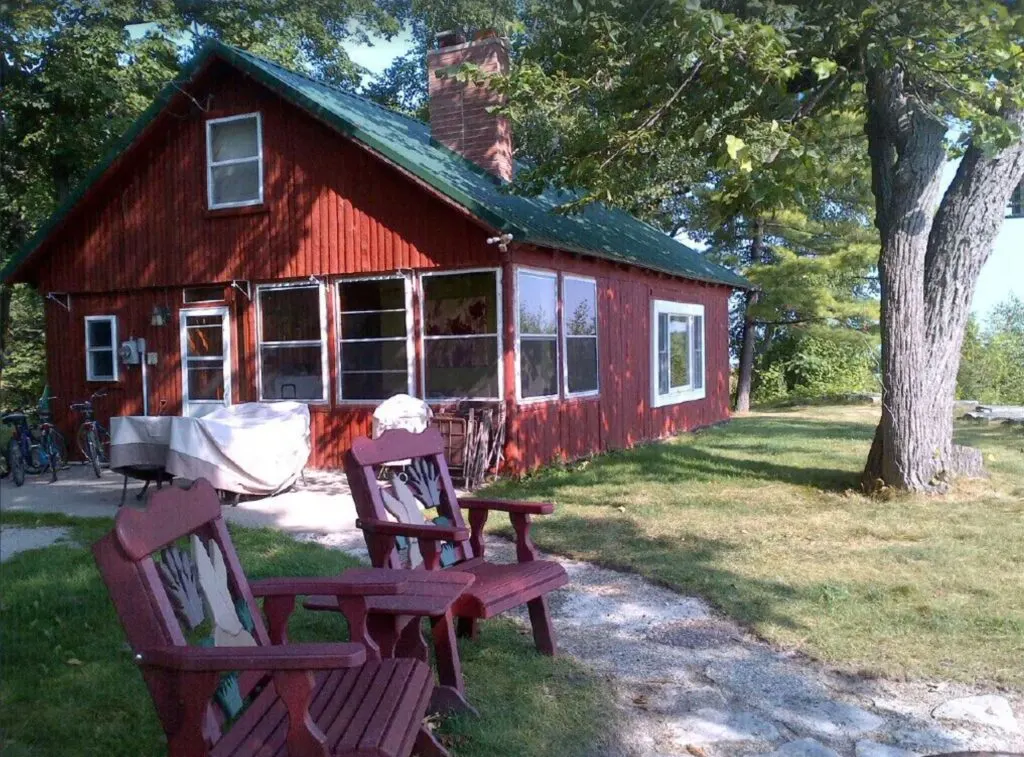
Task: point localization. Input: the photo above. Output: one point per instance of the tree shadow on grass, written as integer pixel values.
(686, 563)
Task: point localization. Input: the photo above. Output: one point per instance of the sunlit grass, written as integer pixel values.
(762, 516)
(68, 685)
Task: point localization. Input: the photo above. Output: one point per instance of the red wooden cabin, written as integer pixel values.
(271, 237)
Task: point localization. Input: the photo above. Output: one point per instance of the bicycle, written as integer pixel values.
(20, 447)
(52, 450)
(92, 438)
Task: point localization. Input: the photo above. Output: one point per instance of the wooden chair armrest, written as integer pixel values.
(432, 532)
(352, 582)
(224, 659)
(507, 506)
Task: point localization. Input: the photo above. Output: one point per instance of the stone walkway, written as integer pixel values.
(687, 680)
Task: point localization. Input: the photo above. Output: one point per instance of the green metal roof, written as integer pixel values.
(599, 231)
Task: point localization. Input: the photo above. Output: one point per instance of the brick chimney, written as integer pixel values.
(458, 110)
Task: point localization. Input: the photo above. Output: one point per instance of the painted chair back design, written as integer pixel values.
(417, 479)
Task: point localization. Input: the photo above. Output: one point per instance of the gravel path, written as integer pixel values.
(689, 681)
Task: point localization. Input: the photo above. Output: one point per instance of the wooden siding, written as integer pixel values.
(331, 208)
(621, 415)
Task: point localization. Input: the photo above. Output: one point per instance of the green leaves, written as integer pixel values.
(823, 67)
(734, 145)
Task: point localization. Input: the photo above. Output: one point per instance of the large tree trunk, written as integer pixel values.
(929, 266)
(745, 376)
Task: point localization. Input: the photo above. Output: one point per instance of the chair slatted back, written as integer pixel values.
(126, 563)
(365, 460)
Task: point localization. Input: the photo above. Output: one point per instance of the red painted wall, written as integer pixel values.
(621, 416)
(331, 208)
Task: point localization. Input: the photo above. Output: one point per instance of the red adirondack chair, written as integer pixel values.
(421, 466)
(300, 700)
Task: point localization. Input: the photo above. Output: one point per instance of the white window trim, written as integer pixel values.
(225, 361)
(520, 399)
(210, 164)
(565, 337)
(410, 340)
(424, 338)
(113, 349)
(324, 360)
(674, 397)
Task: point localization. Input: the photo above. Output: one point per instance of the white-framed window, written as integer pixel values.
(101, 348)
(461, 320)
(292, 335)
(375, 347)
(537, 334)
(677, 352)
(579, 333)
(234, 161)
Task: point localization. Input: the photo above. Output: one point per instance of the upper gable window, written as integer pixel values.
(234, 161)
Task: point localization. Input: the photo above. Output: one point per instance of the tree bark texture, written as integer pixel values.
(928, 267)
(745, 376)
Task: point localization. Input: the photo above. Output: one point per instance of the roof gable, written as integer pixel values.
(599, 231)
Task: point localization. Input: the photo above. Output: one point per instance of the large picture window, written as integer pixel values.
(579, 327)
(234, 161)
(101, 348)
(461, 344)
(677, 366)
(292, 348)
(537, 331)
(373, 332)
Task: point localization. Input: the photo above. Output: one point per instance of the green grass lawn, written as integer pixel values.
(68, 685)
(762, 517)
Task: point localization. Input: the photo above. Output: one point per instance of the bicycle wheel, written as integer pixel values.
(82, 442)
(17, 462)
(61, 446)
(34, 460)
(93, 447)
(54, 459)
(104, 437)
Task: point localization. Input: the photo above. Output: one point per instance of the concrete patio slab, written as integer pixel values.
(321, 504)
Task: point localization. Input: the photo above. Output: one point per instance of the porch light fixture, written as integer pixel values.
(61, 298)
(161, 315)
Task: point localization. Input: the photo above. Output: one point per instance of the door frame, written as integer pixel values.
(224, 312)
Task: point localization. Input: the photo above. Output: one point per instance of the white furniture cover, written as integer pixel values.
(401, 411)
(139, 440)
(252, 448)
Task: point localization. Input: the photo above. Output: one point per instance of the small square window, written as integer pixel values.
(234, 161)
(677, 347)
(101, 348)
